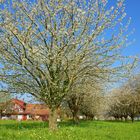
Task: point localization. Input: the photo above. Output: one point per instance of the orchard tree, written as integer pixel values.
(134, 105)
(84, 97)
(125, 102)
(118, 105)
(74, 102)
(91, 104)
(46, 45)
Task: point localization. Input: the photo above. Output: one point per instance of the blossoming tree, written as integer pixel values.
(47, 45)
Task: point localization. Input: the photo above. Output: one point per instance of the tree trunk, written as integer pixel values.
(132, 118)
(0, 114)
(53, 119)
(75, 118)
(125, 118)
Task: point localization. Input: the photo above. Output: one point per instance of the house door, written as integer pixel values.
(24, 117)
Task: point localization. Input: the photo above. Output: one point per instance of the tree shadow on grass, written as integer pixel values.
(38, 125)
(81, 123)
(24, 125)
(119, 121)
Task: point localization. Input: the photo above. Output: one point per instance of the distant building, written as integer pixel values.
(18, 109)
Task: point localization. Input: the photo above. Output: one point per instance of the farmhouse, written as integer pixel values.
(20, 110)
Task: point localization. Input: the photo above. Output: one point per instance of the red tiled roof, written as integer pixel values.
(37, 109)
(21, 103)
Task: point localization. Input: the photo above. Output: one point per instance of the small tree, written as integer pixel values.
(91, 105)
(47, 45)
(75, 98)
(74, 102)
(84, 97)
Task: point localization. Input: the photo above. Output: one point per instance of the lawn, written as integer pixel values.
(86, 130)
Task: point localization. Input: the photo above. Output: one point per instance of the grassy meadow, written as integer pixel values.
(86, 130)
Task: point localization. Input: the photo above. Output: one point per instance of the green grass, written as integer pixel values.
(86, 130)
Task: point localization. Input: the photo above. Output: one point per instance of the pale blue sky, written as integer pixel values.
(133, 10)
